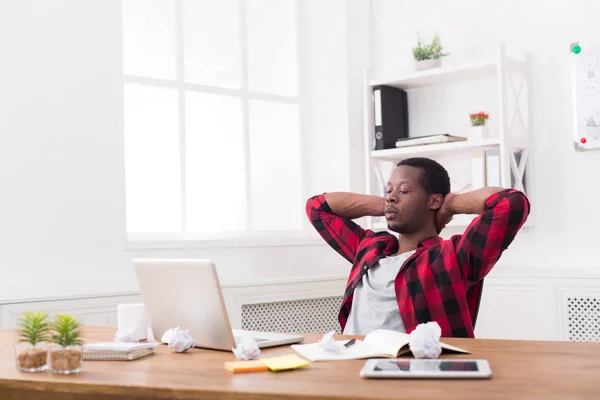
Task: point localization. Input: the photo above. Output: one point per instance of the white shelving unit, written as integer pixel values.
(433, 150)
(513, 146)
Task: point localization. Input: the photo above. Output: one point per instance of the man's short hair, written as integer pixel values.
(434, 178)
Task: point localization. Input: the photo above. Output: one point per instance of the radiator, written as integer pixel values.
(583, 319)
(317, 315)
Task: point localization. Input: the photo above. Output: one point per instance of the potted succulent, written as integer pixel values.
(429, 55)
(31, 351)
(479, 129)
(66, 354)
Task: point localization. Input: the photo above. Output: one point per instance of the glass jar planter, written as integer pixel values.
(31, 358)
(65, 360)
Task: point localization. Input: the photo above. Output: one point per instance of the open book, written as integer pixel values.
(380, 343)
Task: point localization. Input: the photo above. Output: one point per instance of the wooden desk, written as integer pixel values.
(521, 370)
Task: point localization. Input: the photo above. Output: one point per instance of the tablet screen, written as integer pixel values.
(425, 365)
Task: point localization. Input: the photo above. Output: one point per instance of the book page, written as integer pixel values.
(452, 348)
(390, 342)
(395, 343)
(358, 350)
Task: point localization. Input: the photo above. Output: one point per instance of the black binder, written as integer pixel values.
(390, 116)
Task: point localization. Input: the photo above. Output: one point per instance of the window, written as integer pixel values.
(212, 118)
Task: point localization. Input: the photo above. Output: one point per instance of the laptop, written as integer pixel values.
(186, 293)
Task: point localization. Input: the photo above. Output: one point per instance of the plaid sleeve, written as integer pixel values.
(342, 234)
(482, 244)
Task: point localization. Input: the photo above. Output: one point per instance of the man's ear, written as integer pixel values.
(435, 201)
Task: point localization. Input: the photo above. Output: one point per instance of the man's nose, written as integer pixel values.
(391, 197)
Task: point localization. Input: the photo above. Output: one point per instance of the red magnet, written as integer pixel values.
(583, 140)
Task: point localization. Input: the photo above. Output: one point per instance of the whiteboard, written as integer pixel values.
(586, 95)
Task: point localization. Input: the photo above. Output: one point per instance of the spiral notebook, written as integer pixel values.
(114, 351)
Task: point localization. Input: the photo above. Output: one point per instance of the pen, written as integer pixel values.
(350, 343)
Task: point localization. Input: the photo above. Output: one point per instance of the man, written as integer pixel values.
(399, 282)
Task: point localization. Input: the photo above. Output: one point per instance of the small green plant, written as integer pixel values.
(66, 330)
(429, 52)
(34, 327)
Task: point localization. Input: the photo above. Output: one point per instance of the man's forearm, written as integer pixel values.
(471, 202)
(353, 205)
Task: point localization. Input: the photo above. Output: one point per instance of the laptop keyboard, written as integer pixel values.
(257, 340)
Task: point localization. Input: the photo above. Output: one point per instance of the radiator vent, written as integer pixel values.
(583, 319)
(318, 315)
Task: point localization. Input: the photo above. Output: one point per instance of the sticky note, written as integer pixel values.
(285, 362)
(246, 366)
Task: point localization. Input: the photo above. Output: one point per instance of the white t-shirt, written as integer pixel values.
(374, 305)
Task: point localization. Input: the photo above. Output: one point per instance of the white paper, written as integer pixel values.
(388, 341)
(425, 340)
(330, 345)
(360, 349)
(126, 337)
(169, 335)
(181, 342)
(246, 349)
(377, 102)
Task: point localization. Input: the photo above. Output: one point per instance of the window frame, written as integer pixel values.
(248, 237)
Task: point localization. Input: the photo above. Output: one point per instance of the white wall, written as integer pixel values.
(61, 148)
(62, 212)
(564, 187)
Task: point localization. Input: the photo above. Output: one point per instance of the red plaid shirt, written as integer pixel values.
(442, 281)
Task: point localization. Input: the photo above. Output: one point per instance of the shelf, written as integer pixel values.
(449, 74)
(459, 221)
(430, 150)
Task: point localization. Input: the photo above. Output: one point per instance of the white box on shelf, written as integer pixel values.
(492, 167)
(478, 170)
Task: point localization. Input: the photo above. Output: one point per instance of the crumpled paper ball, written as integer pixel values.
(246, 349)
(125, 337)
(327, 343)
(182, 342)
(424, 341)
(169, 335)
(179, 341)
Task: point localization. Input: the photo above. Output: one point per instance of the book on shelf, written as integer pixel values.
(429, 139)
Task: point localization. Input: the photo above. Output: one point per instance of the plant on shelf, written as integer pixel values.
(429, 56)
(31, 350)
(479, 119)
(479, 129)
(66, 355)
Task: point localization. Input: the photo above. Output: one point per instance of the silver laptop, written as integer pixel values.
(187, 293)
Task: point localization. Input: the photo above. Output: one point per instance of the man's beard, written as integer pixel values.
(402, 229)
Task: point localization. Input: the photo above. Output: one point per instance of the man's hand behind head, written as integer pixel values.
(444, 214)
